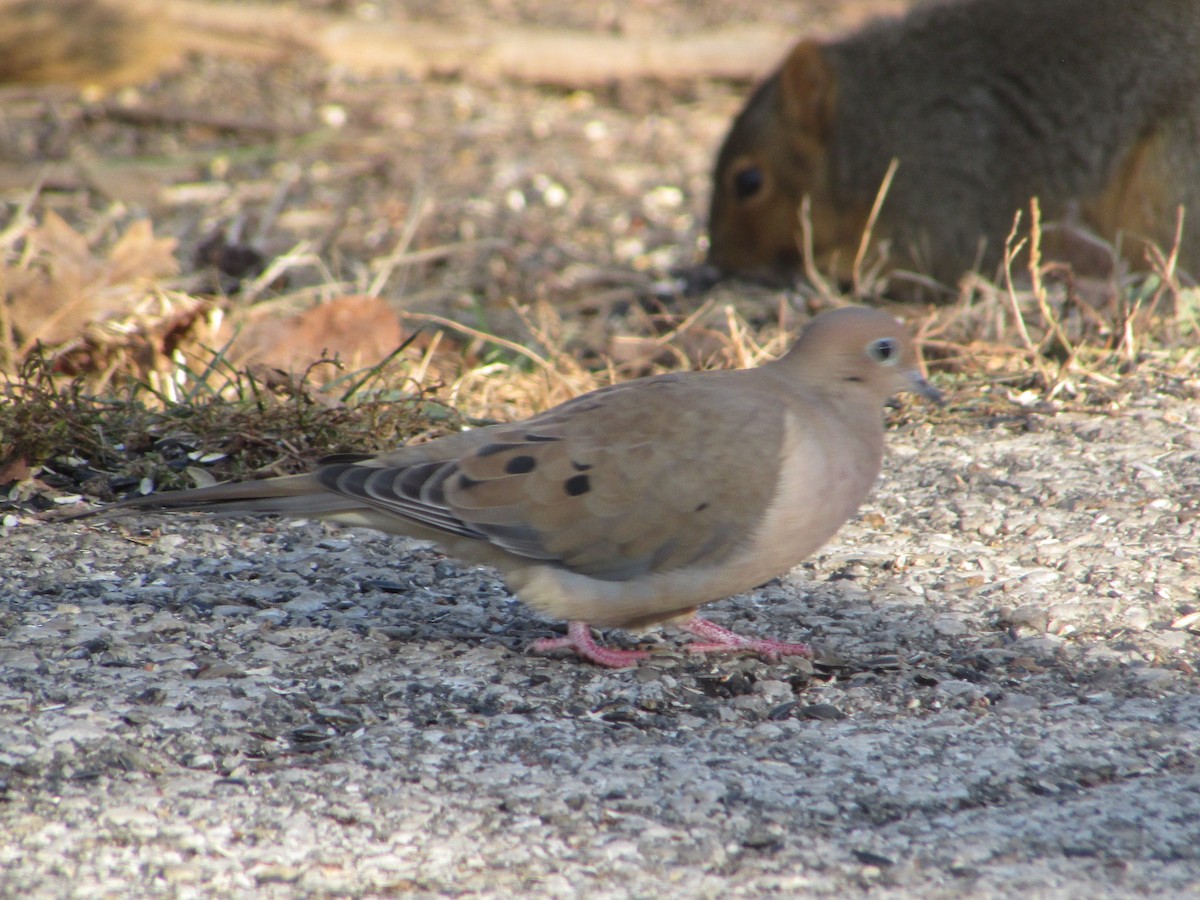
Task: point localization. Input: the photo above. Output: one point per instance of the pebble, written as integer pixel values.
(307, 604)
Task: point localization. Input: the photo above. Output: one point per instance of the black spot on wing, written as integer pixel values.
(577, 485)
(581, 467)
(493, 449)
(343, 459)
(520, 465)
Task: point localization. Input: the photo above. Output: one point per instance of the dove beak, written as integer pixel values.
(918, 384)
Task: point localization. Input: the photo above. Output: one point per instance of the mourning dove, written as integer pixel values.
(634, 504)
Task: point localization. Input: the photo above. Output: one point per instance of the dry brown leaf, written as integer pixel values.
(361, 331)
(64, 287)
(138, 255)
(59, 242)
(15, 470)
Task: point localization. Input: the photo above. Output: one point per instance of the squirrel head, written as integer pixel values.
(776, 153)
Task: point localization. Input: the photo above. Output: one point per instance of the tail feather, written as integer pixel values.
(291, 495)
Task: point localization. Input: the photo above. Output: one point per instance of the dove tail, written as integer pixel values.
(291, 495)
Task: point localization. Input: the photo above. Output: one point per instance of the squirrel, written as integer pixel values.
(82, 42)
(1092, 106)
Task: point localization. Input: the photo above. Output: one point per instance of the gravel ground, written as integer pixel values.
(1004, 703)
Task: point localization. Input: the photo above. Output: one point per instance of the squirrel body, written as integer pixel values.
(1092, 106)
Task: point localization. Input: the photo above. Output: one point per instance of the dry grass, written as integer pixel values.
(1046, 330)
(141, 396)
(137, 438)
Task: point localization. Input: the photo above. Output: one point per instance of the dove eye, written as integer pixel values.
(885, 351)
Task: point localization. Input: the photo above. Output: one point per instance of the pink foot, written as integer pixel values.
(722, 640)
(579, 638)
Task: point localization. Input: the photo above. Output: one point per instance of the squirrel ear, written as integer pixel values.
(806, 87)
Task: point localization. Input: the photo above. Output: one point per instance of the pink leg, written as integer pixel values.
(579, 638)
(722, 640)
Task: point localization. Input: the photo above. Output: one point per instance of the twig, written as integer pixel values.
(806, 252)
(869, 228)
(417, 208)
(1012, 246)
(1038, 286)
(137, 115)
(300, 255)
(519, 349)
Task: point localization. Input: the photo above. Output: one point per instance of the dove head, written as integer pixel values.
(861, 350)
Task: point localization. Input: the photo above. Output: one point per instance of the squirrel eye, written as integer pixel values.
(885, 351)
(748, 182)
